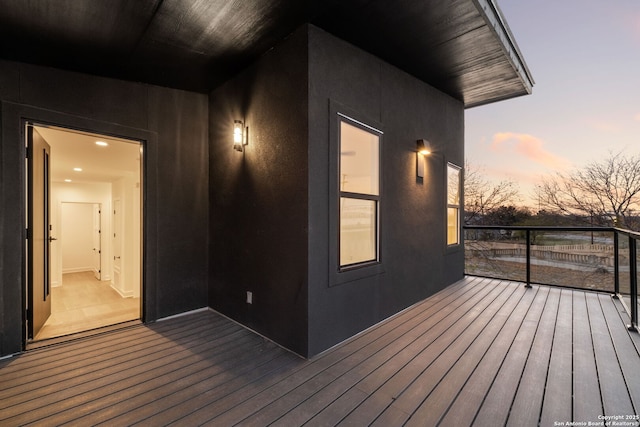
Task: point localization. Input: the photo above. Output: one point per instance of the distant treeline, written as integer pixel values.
(522, 216)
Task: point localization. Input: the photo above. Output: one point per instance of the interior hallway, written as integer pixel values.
(83, 303)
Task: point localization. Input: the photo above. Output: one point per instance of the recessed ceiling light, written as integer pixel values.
(67, 180)
(101, 143)
(77, 169)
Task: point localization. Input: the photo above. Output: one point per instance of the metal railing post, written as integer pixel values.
(616, 264)
(633, 283)
(528, 252)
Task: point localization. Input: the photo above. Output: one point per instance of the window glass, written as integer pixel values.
(358, 160)
(453, 194)
(452, 226)
(359, 194)
(453, 204)
(358, 229)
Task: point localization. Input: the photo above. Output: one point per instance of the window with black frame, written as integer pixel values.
(453, 204)
(359, 193)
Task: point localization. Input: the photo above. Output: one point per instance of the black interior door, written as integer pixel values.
(39, 235)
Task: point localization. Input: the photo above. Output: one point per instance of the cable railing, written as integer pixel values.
(603, 259)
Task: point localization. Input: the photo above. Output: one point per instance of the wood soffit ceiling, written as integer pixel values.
(462, 47)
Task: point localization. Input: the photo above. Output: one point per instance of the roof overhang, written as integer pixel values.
(462, 47)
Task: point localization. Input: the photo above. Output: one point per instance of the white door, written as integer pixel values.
(97, 244)
(117, 244)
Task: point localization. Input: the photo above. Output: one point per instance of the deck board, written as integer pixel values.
(557, 398)
(527, 404)
(83, 391)
(178, 403)
(481, 352)
(587, 401)
(464, 407)
(615, 396)
(422, 386)
(433, 408)
(47, 381)
(149, 386)
(44, 358)
(497, 403)
(626, 352)
(388, 381)
(394, 329)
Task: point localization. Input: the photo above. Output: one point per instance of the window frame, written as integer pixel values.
(351, 272)
(457, 206)
(359, 196)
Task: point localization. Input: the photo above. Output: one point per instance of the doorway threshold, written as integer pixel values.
(36, 344)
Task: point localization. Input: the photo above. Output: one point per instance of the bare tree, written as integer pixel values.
(482, 196)
(604, 189)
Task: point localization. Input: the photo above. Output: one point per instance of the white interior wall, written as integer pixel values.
(76, 237)
(127, 190)
(79, 193)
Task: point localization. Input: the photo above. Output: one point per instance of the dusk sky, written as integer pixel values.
(585, 60)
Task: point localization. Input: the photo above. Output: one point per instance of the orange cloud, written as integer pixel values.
(529, 147)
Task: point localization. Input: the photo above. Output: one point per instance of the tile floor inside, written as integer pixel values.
(83, 303)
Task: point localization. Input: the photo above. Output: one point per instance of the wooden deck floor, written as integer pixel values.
(481, 352)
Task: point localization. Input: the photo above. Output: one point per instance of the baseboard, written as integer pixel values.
(128, 294)
(76, 270)
(256, 332)
(186, 313)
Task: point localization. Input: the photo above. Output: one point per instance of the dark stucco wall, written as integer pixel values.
(182, 210)
(259, 196)
(415, 260)
(174, 125)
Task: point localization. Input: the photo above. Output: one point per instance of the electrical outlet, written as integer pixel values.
(249, 297)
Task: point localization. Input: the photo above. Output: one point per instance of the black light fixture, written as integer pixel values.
(423, 148)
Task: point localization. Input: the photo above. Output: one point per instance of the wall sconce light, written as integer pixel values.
(423, 148)
(238, 135)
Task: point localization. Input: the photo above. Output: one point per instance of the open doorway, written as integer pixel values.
(85, 219)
